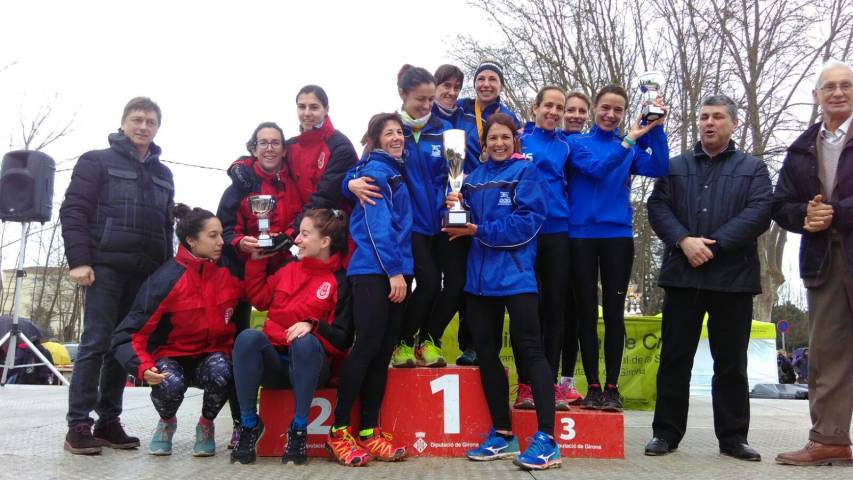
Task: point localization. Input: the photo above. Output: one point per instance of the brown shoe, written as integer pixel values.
(80, 441)
(815, 453)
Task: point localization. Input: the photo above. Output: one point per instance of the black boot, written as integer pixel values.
(80, 441)
(111, 434)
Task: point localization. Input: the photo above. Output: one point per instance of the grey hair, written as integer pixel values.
(722, 100)
(830, 64)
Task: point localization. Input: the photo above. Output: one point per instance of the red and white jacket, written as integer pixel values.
(183, 309)
(234, 211)
(307, 290)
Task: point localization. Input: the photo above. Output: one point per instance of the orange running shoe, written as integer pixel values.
(345, 449)
(380, 447)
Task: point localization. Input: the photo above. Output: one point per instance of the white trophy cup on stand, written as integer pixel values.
(261, 206)
(650, 85)
(454, 153)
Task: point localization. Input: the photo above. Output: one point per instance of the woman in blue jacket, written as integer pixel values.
(426, 177)
(542, 144)
(380, 272)
(507, 208)
(601, 238)
(452, 255)
(488, 85)
(575, 119)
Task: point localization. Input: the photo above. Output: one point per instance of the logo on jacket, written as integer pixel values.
(504, 198)
(436, 150)
(229, 312)
(529, 156)
(321, 160)
(323, 291)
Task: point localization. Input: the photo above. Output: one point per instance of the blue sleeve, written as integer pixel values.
(596, 164)
(350, 175)
(472, 150)
(522, 225)
(378, 219)
(656, 164)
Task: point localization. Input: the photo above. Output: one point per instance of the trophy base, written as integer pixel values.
(652, 113)
(265, 243)
(456, 218)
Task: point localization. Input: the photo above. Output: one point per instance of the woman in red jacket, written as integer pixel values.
(320, 156)
(179, 332)
(309, 322)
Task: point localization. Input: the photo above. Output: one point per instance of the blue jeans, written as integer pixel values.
(98, 379)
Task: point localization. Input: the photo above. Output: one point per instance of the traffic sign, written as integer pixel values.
(783, 325)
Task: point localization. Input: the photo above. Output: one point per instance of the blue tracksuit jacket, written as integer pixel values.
(507, 203)
(600, 180)
(549, 151)
(382, 232)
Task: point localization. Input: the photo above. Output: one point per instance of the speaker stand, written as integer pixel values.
(15, 332)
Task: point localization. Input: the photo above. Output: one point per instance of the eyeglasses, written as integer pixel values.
(830, 87)
(263, 144)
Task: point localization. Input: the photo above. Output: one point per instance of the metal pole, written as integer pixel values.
(15, 331)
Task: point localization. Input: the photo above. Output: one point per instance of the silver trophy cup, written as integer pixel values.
(650, 85)
(261, 206)
(454, 153)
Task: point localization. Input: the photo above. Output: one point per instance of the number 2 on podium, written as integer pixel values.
(449, 384)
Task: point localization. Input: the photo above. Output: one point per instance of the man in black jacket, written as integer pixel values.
(117, 230)
(814, 197)
(709, 211)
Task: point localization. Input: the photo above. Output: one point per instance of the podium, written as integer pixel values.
(440, 412)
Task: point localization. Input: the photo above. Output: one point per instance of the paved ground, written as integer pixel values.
(32, 428)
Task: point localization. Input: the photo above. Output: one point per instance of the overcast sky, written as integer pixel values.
(216, 70)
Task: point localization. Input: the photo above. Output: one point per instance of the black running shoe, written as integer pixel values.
(592, 400)
(245, 452)
(610, 401)
(295, 450)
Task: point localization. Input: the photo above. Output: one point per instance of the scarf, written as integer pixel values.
(416, 124)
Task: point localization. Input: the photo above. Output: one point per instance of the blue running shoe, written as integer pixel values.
(494, 448)
(543, 453)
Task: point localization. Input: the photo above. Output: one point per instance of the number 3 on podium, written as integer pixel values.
(449, 384)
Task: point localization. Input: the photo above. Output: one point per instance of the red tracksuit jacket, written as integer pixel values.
(183, 309)
(307, 290)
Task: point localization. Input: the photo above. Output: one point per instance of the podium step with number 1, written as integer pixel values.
(441, 412)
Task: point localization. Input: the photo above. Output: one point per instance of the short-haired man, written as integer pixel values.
(709, 212)
(117, 230)
(814, 197)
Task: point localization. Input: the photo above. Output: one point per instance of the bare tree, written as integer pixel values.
(758, 52)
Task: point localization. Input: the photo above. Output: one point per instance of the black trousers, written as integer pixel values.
(377, 330)
(613, 257)
(452, 258)
(552, 275)
(425, 253)
(98, 380)
(571, 347)
(486, 318)
(729, 322)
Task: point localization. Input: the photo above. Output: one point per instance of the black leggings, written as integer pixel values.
(614, 258)
(210, 372)
(453, 258)
(242, 318)
(486, 318)
(377, 330)
(301, 367)
(425, 253)
(570, 336)
(552, 257)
